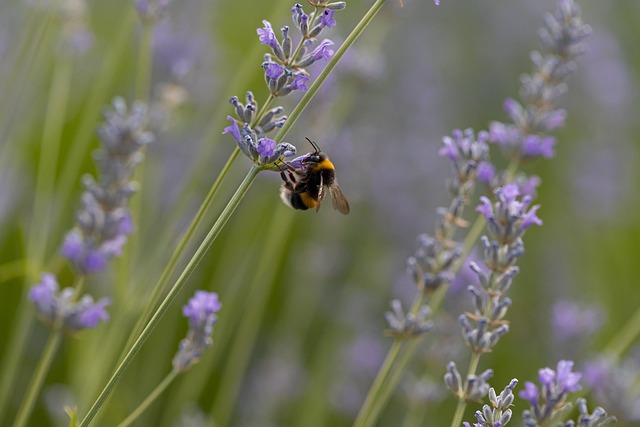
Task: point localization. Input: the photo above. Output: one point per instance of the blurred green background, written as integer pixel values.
(299, 337)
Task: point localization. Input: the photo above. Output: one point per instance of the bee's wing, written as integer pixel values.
(320, 193)
(338, 199)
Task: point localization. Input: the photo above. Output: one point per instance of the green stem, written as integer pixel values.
(625, 337)
(143, 76)
(177, 286)
(180, 248)
(462, 403)
(38, 379)
(149, 399)
(371, 402)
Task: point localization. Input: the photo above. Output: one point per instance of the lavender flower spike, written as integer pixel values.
(201, 311)
(104, 221)
(549, 399)
(58, 310)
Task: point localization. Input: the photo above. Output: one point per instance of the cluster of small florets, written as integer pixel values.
(201, 311)
(284, 68)
(407, 325)
(499, 413)
(60, 309)
(549, 400)
(526, 137)
(252, 141)
(104, 220)
(285, 72)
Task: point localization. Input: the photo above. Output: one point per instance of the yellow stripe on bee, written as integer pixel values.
(324, 165)
(308, 201)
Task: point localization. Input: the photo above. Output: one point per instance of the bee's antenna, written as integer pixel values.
(313, 144)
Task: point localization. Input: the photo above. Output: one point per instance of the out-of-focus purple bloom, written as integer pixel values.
(572, 320)
(43, 294)
(530, 218)
(327, 18)
(201, 311)
(504, 134)
(554, 119)
(104, 221)
(530, 393)
(266, 147)
(485, 207)
(509, 217)
(538, 146)
(201, 308)
(89, 314)
(233, 129)
(546, 376)
(486, 172)
(57, 309)
(568, 380)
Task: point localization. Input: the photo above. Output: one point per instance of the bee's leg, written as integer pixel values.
(289, 181)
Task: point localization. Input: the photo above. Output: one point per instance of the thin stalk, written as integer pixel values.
(175, 289)
(261, 284)
(371, 402)
(150, 399)
(625, 337)
(180, 248)
(44, 364)
(143, 72)
(39, 376)
(462, 403)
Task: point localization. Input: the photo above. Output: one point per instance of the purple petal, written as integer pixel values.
(485, 208)
(530, 218)
(327, 18)
(530, 393)
(233, 129)
(93, 314)
(266, 147)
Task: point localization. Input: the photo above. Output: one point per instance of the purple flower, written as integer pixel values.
(323, 51)
(449, 150)
(513, 109)
(485, 208)
(273, 70)
(233, 129)
(546, 376)
(299, 83)
(504, 134)
(327, 18)
(568, 380)
(510, 192)
(83, 256)
(536, 146)
(201, 311)
(89, 314)
(267, 36)
(266, 147)
(201, 307)
(530, 218)
(43, 293)
(554, 119)
(486, 172)
(56, 307)
(530, 393)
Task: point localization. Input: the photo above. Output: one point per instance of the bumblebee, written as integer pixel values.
(307, 179)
